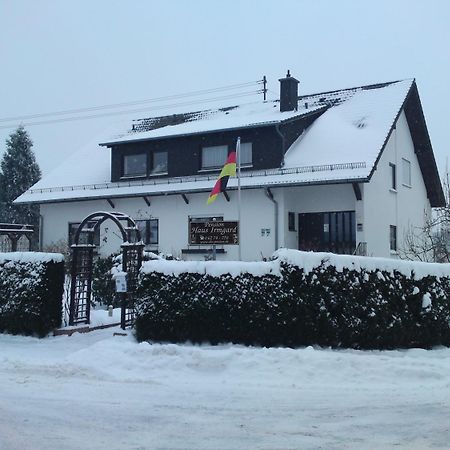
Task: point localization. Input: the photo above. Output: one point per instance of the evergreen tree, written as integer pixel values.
(18, 172)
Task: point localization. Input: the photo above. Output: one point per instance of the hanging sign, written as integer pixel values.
(214, 233)
(121, 282)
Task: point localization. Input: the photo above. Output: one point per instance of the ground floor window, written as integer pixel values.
(393, 238)
(327, 232)
(73, 227)
(291, 221)
(149, 230)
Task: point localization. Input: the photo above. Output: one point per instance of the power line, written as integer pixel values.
(132, 103)
(116, 113)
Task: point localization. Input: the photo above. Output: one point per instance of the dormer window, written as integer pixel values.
(214, 157)
(246, 154)
(159, 163)
(135, 165)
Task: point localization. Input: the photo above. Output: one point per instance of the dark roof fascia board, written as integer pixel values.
(435, 193)
(317, 111)
(197, 191)
(421, 139)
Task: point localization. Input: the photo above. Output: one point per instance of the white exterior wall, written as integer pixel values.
(172, 213)
(382, 207)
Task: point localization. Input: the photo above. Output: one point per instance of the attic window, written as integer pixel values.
(214, 157)
(406, 169)
(246, 154)
(159, 163)
(134, 165)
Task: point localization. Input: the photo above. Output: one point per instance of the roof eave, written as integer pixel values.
(196, 191)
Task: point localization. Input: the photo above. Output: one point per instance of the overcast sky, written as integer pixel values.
(58, 55)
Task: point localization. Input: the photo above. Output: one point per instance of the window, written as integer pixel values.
(406, 166)
(73, 226)
(214, 157)
(134, 165)
(393, 176)
(149, 231)
(246, 154)
(159, 163)
(393, 238)
(291, 221)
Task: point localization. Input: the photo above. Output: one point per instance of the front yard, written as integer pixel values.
(99, 391)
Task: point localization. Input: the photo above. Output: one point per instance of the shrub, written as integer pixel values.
(31, 289)
(103, 284)
(299, 299)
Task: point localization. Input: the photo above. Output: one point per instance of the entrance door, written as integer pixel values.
(327, 232)
(310, 232)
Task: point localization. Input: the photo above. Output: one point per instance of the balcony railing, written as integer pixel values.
(210, 177)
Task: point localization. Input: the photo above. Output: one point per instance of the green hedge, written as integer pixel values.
(339, 304)
(31, 290)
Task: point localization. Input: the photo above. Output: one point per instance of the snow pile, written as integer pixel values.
(127, 395)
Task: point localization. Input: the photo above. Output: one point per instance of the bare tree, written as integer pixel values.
(431, 242)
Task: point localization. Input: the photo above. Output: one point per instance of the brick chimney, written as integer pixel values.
(288, 93)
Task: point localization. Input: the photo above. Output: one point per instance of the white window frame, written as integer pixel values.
(146, 235)
(393, 176)
(220, 163)
(137, 174)
(406, 172)
(153, 168)
(247, 146)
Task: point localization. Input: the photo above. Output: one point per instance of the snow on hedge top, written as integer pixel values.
(310, 260)
(213, 268)
(31, 257)
(306, 260)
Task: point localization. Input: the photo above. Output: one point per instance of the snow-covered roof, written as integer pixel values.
(231, 117)
(341, 145)
(355, 129)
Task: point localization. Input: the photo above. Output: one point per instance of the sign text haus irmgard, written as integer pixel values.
(213, 233)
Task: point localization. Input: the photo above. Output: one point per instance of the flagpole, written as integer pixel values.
(238, 150)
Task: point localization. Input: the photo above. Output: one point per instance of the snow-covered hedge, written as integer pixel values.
(31, 289)
(297, 299)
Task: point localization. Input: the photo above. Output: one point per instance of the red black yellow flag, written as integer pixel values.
(228, 170)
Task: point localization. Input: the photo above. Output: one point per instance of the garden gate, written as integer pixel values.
(82, 265)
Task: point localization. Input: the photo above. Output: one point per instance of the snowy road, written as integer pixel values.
(96, 391)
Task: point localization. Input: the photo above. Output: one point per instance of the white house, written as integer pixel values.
(344, 171)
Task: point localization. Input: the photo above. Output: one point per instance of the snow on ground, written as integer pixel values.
(99, 391)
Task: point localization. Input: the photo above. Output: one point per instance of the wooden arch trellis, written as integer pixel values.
(82, 265)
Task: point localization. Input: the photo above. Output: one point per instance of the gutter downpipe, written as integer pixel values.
(269, 195)
(283, 143)
(41, 232)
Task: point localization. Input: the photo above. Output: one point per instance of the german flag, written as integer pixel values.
(228, 170)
